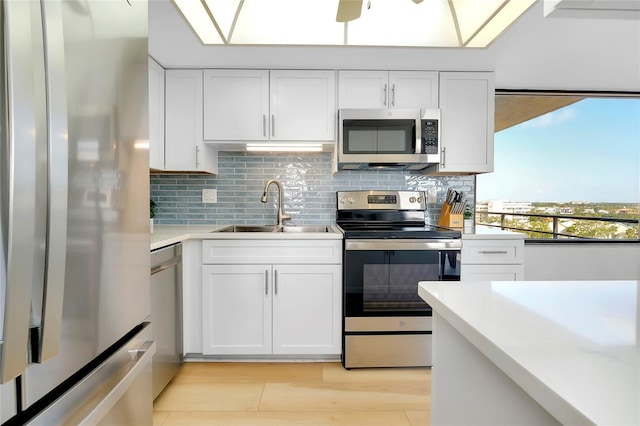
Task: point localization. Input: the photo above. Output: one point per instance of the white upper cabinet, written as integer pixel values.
(184, 146)
(467, 122)
(388, 89)
(261, 105)
(303, 105)
(413, 89)
(156, 115)
(363, 89)
(236, 105)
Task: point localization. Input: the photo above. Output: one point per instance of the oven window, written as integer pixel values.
(386, 281)
(395, 287)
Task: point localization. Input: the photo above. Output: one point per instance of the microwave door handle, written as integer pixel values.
(17, 203)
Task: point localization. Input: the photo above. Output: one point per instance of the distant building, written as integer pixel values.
(624, 211)
(547, 210)
(566, 210)
(502, 206)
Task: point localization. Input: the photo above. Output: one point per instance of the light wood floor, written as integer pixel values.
(276, 394)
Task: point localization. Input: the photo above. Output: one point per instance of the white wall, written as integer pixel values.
(598, 261)
(535, 53)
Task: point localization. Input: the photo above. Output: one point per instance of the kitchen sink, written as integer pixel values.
(305, 229)
(273, 228)
(250, 228)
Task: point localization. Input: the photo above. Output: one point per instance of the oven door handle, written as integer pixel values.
(403, 244)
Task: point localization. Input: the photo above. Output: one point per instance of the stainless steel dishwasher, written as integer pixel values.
(166, 314)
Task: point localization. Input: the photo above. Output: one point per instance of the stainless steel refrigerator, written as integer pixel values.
(74, 252)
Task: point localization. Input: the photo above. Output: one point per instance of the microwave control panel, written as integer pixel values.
(429, 136)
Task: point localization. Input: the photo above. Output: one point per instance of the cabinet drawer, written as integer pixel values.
(492, 273)
(492, 252)
(271, 251)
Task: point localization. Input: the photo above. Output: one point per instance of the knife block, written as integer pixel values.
(448, 219)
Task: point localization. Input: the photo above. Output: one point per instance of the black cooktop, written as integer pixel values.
(387, 214)
(397, 231)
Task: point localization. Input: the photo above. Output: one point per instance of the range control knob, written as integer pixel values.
(412, 199)
(347, 200)
(420, 199)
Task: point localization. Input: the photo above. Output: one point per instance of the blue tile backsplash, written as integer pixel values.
(309, 190)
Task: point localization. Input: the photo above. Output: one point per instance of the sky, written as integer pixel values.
(587, 151)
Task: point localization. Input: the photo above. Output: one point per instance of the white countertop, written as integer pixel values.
(481, 232)
(164, 235)
(573, 346)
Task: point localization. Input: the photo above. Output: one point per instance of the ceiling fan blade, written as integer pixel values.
(348, 10)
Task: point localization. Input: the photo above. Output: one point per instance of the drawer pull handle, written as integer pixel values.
(493, 252)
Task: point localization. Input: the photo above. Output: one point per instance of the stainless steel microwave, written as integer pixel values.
(388, 139)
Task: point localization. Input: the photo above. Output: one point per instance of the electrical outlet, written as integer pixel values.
(209, 195)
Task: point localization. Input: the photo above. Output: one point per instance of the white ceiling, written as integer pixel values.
(535, 53)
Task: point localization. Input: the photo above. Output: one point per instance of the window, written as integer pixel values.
(566, 166)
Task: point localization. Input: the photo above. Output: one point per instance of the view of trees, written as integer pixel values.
(542, 227)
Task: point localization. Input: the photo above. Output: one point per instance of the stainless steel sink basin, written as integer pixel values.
(305, 229)
(273, 228)
(250, 228)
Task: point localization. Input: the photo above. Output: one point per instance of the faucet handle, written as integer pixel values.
(285, 216)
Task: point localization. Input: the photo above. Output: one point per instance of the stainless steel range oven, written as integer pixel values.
(388, 249)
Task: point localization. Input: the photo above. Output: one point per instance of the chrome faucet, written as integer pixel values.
(281, 215)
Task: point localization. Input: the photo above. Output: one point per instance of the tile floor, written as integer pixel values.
(322, 393)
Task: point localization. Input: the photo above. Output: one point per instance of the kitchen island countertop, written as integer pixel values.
(165, 235)
(572, 346)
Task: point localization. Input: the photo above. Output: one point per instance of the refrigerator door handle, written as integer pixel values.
(57, 141)
(141, 359)
(17, 180)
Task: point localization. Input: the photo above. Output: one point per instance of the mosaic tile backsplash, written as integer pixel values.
(309, 190)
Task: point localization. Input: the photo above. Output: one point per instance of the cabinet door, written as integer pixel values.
(236, 105)
(156, 115)
(467, 119)
(303, 105)
(363, 89)
(236, 309)
(307, 309)
(413, 89)
(183, 119)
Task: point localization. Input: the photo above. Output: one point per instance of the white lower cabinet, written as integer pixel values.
(307, 313)
(236, 309)
(493, 272)
(264, 309)
(487, 259)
